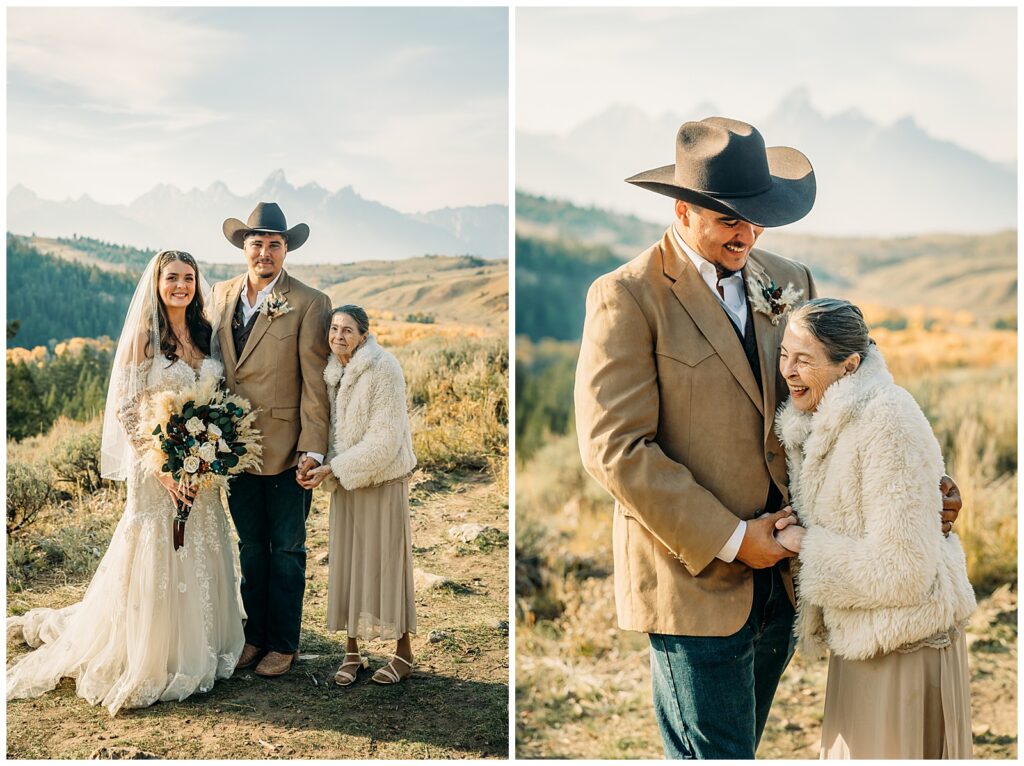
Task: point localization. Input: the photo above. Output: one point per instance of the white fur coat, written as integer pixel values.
(875, 571)
(370, 438)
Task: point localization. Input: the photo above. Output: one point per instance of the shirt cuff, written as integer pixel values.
(320, 459)
(732, 545)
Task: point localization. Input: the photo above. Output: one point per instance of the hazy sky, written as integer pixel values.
(408, 105)
(952, 69)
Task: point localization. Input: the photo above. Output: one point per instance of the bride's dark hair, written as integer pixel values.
(198, 325)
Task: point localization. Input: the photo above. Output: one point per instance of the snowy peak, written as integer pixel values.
(344, 226)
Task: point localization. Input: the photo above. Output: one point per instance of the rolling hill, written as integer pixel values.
(973, 273)
(97, 279)
(462, 290)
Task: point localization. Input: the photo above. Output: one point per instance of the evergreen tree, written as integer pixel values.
(27, 413)
(57, 299)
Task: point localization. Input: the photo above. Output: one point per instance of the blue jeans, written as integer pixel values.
(270, 517)
(712, 693)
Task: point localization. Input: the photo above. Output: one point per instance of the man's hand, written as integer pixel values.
(760, 549)
(951, 503)
(306, 464)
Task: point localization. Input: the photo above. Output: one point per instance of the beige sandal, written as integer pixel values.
(390, 673)
(342, 677)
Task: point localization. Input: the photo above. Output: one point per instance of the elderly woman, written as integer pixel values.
(879, 586)
(370, 583)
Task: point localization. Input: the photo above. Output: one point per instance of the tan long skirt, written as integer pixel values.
(913, 706)
(370, 590)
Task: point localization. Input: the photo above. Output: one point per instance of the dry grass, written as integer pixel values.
(394, 332)
(458, 394)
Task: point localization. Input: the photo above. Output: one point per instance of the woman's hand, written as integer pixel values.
(315, 477)
(179, 494)
(788, 532)
(791, 536)
(951, 503)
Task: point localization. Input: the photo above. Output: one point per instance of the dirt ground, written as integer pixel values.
(454, 706)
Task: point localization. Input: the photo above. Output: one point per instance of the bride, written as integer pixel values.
(155, 624)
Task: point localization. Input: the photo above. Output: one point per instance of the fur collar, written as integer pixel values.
(361, 360)
(841, 402)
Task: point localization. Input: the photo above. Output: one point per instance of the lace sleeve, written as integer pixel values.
(131, 398)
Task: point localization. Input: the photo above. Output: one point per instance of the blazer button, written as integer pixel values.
(770, 456)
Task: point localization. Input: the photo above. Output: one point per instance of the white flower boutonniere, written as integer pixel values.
(771, 299)
(274, 306)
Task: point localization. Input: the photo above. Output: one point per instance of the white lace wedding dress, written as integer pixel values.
(155, 623)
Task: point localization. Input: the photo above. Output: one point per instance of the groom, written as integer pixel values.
(273, 336)
(676, 390)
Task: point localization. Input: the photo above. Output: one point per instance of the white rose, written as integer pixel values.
(214, 430)
(195, 426)
(222, 446)
(208, 452)
(191, 464)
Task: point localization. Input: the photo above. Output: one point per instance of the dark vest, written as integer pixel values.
(748, 340)
(239, 331)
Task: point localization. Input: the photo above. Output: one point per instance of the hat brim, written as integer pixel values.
(790, 197)
(236, 230)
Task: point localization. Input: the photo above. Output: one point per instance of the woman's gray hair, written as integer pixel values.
(838, 324)
(358, 314)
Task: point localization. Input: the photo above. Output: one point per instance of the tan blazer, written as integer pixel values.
(671, 423)
(281, 370)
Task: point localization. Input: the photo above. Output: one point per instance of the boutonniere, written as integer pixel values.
(274, 306)
(771, 299)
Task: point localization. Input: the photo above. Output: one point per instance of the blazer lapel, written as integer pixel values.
(226, 315)
(262, 322)
(767, 346)
(696, 298)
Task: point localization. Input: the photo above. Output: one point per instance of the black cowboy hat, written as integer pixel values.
(723, 165)
(267, 217)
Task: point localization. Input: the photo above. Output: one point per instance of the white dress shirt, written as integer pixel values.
(247, 310)
(735, 300)
(735, 305)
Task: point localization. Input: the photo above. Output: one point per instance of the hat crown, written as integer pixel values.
(722, 158)
(267, 216)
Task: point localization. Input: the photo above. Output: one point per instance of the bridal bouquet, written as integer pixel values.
(200, 436)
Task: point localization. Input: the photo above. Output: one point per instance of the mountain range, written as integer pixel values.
(345, 227)
(873, 180)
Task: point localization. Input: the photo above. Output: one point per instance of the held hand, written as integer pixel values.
(185, 496)
(787, 521)
(314, 477)
(760, 549)
(305, 465)
(951, 503)
(791, 537)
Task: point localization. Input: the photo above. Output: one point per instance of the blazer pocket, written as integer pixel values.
(281, 330)
(691, 355)
(284, 413)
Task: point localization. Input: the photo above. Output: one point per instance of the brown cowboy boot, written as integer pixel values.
(276, 664)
